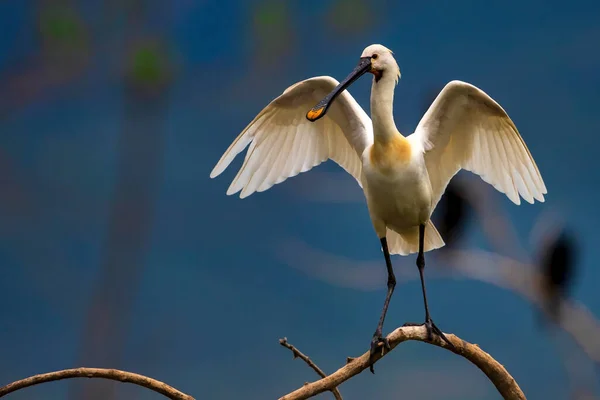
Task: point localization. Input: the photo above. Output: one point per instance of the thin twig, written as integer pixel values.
(496, 373)
(114, 374)
(298, 354)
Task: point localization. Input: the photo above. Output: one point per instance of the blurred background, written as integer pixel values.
(117, 250)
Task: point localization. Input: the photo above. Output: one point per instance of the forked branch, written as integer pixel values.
(297, 353)
(496, 373)
(113, 374)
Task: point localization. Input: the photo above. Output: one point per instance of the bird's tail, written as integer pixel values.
(407, 241)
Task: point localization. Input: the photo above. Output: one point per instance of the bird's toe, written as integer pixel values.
(378, 343)
(432, 330)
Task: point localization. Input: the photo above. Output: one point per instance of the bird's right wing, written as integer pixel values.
(283, 143)
(464, 128)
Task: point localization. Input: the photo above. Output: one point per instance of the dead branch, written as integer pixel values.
(496, 373)
(523, 279)
(113, 374)
(298, 354)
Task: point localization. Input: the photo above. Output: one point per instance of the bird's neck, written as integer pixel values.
(382, 102)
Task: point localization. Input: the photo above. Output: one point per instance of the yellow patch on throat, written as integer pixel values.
(385, 156)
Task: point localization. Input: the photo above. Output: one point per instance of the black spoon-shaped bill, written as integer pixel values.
(318, 111)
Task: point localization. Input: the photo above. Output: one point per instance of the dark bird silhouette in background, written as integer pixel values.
(557, 263)
(451, 215)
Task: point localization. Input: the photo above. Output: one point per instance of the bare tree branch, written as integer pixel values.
(298, 354)
(523, 279)
(496, 373)
(113, 374)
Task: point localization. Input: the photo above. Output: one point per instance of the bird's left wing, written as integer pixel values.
(283, 143)
(465, 128)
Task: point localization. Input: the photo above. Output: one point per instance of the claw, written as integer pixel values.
(431, 329)
(376, 342)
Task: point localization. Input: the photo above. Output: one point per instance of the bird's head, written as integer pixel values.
(376, 59)
(382, 61)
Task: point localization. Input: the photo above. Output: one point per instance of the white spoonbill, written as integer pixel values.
(403, 177)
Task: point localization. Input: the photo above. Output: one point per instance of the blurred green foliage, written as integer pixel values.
(272, 29)
(149, 65)
(271, 14)
(61, 26)
(350, 17)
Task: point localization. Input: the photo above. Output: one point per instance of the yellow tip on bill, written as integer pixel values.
(314, 114)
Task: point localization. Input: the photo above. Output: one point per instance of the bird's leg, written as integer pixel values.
(391, 284)
(431, 327)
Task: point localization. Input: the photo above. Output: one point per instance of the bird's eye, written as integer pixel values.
(374, 56)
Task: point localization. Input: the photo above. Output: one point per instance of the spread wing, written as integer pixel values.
(465, 128)
(283, 143)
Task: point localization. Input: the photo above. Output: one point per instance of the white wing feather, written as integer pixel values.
(283, 143)
(465, 128)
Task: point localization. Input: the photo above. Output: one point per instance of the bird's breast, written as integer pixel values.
(397, 191)
(387, 157)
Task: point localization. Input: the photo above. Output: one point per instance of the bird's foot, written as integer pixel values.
(376, 342)
(431, 330)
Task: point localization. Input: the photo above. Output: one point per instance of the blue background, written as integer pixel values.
(193, 287)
